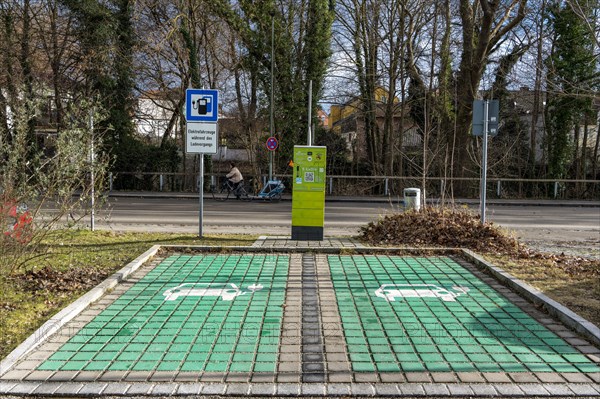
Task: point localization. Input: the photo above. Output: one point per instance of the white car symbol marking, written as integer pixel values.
(392, 291)
(227, 291)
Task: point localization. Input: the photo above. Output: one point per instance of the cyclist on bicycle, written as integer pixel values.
(235, 178)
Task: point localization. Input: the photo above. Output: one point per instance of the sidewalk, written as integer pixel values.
(371, 199)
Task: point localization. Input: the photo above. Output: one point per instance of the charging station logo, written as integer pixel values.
(202, 105)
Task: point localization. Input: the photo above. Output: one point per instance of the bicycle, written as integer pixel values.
(228, 187)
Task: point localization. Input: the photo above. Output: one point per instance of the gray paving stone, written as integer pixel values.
(214, 389)
(39, 375)
(470, 377)
(113, 376)
(263, 377)
(534, 389)
(576, 377)
(484, 389)
(338, 389)
(289, 377)
(313, 377)
(116, 388)
(24, 388)
(315, 389)
(138, 376)
(185, 376)
(28, 365)
(6, 386)
(164, 389)
(262, 389)
(508, 389)
(392, 377)
(460, 389)
(585, 389)
(549, 377)
(69, 388)
(386, 389)
(411, 389)
(360, 389)
(443, 377)
(288, 389)
(238, 377)
(189, 388)
(340, 377)
(163, 376)
(88, 376)
(15, 375)
(92, 388)
(436, 389)
(238, 389)
(141, 388)
(558, 389)
(497, 377)
(522, 378)
(47, 388)
(417, 377)
(366, 377)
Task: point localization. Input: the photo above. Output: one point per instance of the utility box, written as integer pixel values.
(412, 199)
(308, 195)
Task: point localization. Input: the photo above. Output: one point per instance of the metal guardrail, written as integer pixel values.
(501, 187)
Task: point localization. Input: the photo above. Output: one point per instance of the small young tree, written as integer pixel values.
(53, 185)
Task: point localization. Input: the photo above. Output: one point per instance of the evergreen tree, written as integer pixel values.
(570, 75)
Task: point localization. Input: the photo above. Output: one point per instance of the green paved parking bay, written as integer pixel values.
(223, 313)
(431, 314)
(214, 313)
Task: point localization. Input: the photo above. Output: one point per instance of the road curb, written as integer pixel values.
(396, 200)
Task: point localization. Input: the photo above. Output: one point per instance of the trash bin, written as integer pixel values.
(412, 199)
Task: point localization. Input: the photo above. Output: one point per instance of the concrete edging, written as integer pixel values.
(555, 309)
(72, 310)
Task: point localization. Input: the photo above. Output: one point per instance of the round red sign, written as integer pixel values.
(272, 144)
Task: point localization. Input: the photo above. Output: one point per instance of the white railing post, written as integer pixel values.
(499, 188)
(160, 182)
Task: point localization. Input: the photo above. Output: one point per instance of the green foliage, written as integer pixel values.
(302, 50)
(106, 35)
(571, 76)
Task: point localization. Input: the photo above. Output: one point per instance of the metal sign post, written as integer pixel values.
(485, 121)
(200, 195)
(484, 162)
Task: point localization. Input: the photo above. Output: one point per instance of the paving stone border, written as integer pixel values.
(425, 390)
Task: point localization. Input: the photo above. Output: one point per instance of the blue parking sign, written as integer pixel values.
(201, 105)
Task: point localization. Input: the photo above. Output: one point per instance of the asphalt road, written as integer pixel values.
(534, 224)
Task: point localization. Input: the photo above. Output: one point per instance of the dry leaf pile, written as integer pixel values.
(457, 228)
(75, 279)
(442, 227)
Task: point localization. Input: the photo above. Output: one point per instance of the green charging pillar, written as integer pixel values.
(308, 196)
